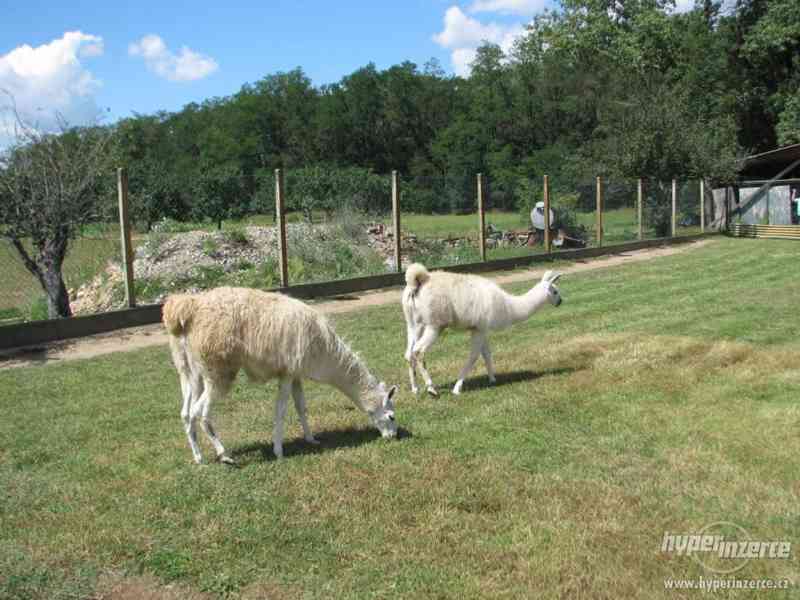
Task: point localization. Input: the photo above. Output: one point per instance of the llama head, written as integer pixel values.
(382, 416)
(549, 282)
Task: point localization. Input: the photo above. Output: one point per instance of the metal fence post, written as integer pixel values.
(599, 216)
(482, 218)
(639, 194)
(546, 215)
(396, 221)
(702, 206)
(125, 237)
(674, 207)
(280, 222)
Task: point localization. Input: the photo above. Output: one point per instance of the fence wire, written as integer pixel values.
(87, 267)
(440, 226)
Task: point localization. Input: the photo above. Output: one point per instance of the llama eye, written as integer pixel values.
(391, 417)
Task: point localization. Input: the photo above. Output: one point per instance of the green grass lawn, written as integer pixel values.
(662, 396)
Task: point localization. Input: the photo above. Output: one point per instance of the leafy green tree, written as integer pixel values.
(218, 191)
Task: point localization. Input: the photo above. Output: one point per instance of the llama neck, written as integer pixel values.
(522, 307)
(349, 375)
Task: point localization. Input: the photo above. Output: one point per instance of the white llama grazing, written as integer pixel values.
(215, 334)
(434, 301)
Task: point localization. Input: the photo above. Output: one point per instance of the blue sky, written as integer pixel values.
(83, 57)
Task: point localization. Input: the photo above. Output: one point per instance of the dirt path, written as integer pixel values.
(151, 335)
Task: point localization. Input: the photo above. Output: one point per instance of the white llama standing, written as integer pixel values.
(215, 334)
(434, 301)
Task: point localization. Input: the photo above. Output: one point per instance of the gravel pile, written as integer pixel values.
(178, 254)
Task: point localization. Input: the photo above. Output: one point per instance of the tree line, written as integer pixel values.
(599, 87)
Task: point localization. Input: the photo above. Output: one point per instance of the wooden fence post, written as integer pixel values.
(674, 207)
(482, 218)
(280, 222)
(702, 206)
(546, 215)
(125, 237)
(396, 221)
(639, 194)
(599, 216)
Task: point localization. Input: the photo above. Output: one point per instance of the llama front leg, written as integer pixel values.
(300, 407)
(418, 356)
(478, 340)
(284, 389)
(487, 358)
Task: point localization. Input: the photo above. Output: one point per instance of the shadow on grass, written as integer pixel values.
(482, 382)
(328, 440)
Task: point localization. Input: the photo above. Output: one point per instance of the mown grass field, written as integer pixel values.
(662, 396)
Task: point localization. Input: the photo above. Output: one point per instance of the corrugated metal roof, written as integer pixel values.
(768, 164)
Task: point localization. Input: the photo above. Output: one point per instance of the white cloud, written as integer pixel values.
(49, 82)
(187, 65)
(682, 6)
(462, 59)
(508, 7)
(463, 34)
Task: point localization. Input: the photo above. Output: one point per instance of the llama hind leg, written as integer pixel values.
(487, 358)
(192, 389)
(300, 407)
(478, 341)
(284, 389)
(418, 356)
(213, 391)
(414, 333)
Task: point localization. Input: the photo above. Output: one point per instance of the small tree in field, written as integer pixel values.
(218, 192)
(48, 190)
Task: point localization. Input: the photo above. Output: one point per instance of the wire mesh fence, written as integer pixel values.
(508, 218)
(19, 290)
(351, 234)
(439, 222)
(89, 264)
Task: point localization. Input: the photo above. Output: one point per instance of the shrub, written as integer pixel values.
(236, 236)
(210, 247)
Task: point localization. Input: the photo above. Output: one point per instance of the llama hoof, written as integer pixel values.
(492, 379)
(457, 390)
(225, 459)
(432, 391)
(414, 390)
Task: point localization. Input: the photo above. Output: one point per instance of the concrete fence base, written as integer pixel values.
(42, 332)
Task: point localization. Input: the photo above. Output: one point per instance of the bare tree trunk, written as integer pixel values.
(56, 292)
(47, 269)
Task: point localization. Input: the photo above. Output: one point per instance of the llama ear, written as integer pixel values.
(547, 275)
(391, 393)
(555, 277)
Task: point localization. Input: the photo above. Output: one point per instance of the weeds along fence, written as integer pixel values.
(443, 221)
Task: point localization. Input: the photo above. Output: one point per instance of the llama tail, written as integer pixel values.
(416, 276)
(178, 312)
